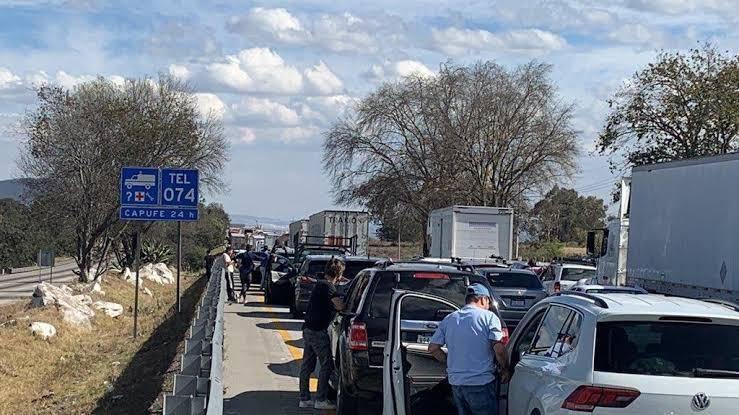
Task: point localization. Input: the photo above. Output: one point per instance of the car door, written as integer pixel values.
(540, 369)
(352, 300)
(408, 367)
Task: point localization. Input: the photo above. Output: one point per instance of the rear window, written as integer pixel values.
(453, 289)
(313, 268)
(354, 267)
(576, 274)
(659, 348)
(514, 280)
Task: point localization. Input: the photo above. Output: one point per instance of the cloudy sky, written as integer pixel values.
(279, 72)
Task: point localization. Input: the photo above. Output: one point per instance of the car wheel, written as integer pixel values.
(345, 404)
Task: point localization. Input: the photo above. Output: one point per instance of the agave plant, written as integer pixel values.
(155, 252)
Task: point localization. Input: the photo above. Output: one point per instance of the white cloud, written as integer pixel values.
(344, 33)
(68, 81)
(323, 80)
(179, 71)
(278, 23)
(637, 34)
(265, 110)
(247, 135)
(210, 104)
(298, 134)
(256, 70)
(456, 41)
(8, 79)
(398, 69)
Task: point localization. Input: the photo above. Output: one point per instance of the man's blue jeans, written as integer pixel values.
(476, 400)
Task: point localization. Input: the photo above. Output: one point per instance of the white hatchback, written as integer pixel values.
(607, 354)
(624, 354)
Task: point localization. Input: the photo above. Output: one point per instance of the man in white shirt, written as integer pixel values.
(227, 263)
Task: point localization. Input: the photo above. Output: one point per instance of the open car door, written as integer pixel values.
(413, 380)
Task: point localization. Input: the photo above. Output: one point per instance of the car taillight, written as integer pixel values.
(358, 339)
(587, 398)
(557, 287)
(307, 280)
(430, 276)
(506, 336)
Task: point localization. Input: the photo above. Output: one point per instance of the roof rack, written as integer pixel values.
(727, 304)
(597, 300)
(383, 264)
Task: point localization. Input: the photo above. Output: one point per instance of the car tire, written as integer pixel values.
(345, 403)
(294, 312)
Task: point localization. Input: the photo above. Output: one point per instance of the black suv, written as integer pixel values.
(359, 333)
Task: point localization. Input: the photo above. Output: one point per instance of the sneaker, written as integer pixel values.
(306, 404)
(325, 405)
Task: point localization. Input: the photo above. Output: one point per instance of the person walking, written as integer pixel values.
(227, 263)
(473, 338)
(323, 303)
(246, 266)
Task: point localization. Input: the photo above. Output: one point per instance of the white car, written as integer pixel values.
(606, 354)
(562, 277)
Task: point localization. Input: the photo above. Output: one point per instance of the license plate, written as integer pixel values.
(518, 303)
(424, 339)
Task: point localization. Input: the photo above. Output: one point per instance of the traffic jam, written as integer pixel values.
(647, 323)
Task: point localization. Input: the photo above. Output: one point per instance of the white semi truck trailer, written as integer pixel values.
(677, 231)
(345, 228)
(471, 232)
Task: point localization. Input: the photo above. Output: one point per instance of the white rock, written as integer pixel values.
(90, 276)
(97, 288)
(147, 272)
(148, 292)
(74, 308)
(43, 330)
(111, 309)
(164, 273)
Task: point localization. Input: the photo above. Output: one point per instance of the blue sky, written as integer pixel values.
(279, 72)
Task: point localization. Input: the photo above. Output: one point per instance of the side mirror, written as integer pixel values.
(590, 244)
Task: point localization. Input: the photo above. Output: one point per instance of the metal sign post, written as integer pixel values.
(158, 194)
(179, 261)
(137, 256)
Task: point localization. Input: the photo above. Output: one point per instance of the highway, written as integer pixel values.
(263, 350)
(14, 287)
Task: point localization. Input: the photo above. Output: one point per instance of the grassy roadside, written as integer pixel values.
(103, 370)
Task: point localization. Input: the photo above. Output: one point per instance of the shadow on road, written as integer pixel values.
(299, 343)
(267, 403)
(282, 325)
(140, 383)
(291, 368)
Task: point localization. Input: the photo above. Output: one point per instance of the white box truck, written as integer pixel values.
(298, 231)
(680, 227)
(471, 232)
(341, 228)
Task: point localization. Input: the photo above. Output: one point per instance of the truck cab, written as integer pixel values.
(610, 245)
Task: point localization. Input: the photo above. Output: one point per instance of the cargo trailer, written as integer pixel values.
(471, 232)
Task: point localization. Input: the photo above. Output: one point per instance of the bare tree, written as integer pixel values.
(471, 135)
(77, 141)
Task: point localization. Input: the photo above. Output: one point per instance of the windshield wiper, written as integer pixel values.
(700, 372)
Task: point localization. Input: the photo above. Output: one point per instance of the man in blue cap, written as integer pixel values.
(473, 338)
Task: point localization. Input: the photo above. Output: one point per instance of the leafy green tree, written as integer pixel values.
(17, 247)
(683, 105)
(565, 216)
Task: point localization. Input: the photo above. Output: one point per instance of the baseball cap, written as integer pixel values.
(478, 290)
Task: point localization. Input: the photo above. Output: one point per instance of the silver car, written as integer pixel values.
(515, 292)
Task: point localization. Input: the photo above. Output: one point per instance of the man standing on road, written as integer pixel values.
(227, 263)
(473, 337)
(324, 301)
(246, 266)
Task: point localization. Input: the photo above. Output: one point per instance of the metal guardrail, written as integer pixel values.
(198, 388)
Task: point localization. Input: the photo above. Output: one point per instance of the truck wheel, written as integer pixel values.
(345, 404)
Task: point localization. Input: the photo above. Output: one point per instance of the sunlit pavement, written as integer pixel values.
(263, 349)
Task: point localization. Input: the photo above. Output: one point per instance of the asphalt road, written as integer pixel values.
(263, 350)
(14, 287)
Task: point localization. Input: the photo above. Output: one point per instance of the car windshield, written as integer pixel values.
(314, 268)
(514, 280)
(661, 348)
(576, 274)
(354, 267)
(449, 286)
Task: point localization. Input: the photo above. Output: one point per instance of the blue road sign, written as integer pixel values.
(139, 186)
(180, 187)
(151, 194)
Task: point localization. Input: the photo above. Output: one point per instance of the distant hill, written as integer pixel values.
(12, 189)
(266, 223)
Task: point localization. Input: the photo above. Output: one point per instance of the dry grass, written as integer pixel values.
(390, 249)
(81, 372)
